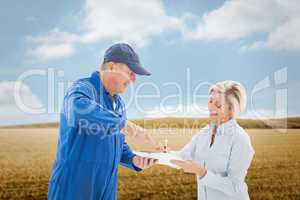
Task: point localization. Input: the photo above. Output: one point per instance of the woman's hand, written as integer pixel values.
(190, 166)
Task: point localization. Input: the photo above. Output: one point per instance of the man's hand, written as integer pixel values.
(139, 134)
(190, 166)
(135, 132)
(143, 163)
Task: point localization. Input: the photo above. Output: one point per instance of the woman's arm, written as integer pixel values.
(240, 160)
(188, 151)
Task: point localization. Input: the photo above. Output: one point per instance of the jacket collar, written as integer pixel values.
(100, 89)
(226, 127)
(97, 82)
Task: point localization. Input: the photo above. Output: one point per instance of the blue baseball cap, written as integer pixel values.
(123, 53)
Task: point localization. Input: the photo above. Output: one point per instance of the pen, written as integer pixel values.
(166, 145)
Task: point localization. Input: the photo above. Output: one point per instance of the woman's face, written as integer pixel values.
(219, 110)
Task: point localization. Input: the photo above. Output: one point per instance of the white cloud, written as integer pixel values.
(285, 37)
(137, 22)
(261, 114)
(56, 44)
(239, 19)
(8, 94)
(10, 110)
(199, 111)
(236, 19)
(31, 19)
(131, 21)
(193, 110)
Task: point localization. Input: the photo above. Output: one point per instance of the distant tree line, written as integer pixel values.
(172, 122)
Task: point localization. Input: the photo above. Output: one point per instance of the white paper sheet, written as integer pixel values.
(163, 158)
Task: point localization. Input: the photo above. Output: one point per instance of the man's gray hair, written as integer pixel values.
(103, 67)
(235, 95)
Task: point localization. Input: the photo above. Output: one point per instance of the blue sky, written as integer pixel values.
(185, 44)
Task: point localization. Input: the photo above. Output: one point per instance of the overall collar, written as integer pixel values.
(97, 82)
(101, 91)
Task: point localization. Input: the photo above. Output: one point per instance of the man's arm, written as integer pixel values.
(127, 158)
(80, 107)
(138, 134)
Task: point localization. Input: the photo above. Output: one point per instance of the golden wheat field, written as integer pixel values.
(27, 154)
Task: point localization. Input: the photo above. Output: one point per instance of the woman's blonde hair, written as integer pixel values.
(235, 95)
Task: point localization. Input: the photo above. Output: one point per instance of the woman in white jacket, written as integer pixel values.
(221, 153)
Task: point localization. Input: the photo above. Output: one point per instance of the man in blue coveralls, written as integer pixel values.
(91, 142)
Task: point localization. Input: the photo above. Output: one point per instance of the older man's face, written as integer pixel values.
(121, 76)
